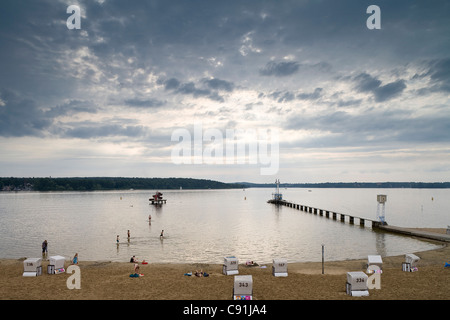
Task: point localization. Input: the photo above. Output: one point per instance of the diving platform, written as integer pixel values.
(157, 199)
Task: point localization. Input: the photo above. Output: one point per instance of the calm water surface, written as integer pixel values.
(207, 225)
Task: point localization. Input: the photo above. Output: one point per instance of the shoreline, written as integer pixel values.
(107, 280)
(438, 242)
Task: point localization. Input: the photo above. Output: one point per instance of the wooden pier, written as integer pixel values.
(328, 214)
(362, 221)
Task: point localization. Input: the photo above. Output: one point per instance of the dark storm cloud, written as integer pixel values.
(367, 83)
(288, 96)
(311, 96)
(191, 89)
(144, 103)
(24, 117)
(70, 108)
(374, 127)
(208, 88)
(166, 36)
(390, 90)
(282, 96)
(21, 117)
(439, 73)
(348, 103)
(218, 84)
(171, 84)
(91, 130)
(280, 69)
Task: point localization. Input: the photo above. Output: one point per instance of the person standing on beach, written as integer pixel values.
(162, 234)
(117, 239)
(44, 248)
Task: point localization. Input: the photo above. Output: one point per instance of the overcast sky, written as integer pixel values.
(349, 103)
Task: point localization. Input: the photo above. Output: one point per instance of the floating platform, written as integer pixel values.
(160, 201)
(157, 199)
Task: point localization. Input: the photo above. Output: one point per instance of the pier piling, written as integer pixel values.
(328, 214)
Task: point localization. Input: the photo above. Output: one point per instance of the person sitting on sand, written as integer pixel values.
(134, 259)
(198, 274)
(136, 268)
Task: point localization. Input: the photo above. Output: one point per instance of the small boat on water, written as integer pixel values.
(157, 198)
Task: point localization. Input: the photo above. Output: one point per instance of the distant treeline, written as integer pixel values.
(109, 183)
(119, 183)
(418, 185)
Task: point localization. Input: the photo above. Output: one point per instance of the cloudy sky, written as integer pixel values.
(347, 103)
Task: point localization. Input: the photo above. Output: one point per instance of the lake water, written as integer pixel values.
(204, 226)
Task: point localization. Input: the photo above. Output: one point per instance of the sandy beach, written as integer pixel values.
(105, 280)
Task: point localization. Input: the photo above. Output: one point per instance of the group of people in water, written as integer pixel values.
(133, 259)
(161, 236)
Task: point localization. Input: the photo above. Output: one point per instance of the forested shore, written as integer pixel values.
(109, 183)
(123, 183)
